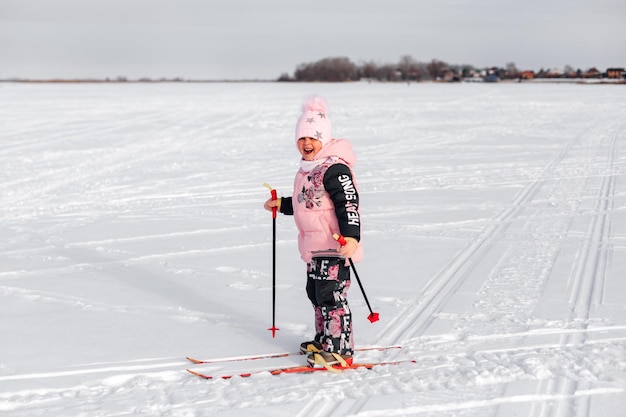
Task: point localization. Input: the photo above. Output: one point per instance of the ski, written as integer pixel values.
(301, 369)
(277, 355)
(241, 358)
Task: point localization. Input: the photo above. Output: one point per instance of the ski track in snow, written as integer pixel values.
(155, 199)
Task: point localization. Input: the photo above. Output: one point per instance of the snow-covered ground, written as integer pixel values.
(133, 235)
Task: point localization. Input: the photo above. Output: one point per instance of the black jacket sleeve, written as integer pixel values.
(340, 187)
(286, 205)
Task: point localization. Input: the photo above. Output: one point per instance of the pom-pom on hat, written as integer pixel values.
(314, 122)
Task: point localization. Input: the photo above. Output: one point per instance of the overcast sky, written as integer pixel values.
(261, 39)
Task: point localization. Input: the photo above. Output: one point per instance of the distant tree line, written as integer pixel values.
(341, 69)
(407, 69)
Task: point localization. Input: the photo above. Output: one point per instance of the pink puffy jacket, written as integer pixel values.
(320, 212)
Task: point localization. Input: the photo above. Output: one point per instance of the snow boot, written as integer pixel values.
(329, 360)
(310, 346)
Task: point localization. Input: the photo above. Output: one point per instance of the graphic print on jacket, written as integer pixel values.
(312, 196)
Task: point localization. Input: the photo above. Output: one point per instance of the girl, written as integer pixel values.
(325, 201)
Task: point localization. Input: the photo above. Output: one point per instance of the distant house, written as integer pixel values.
(615, 73)
(527, 75)
(491, 75)
(451, 76)
(554, 73)
(592, 73)
(491, 78)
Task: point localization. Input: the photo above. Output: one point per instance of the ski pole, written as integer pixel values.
(274, 210)
(373, 317)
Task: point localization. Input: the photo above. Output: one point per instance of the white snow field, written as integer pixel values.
(132, 234)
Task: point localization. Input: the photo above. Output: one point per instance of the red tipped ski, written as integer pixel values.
(239, 358)
(299, 370)
(278, 355)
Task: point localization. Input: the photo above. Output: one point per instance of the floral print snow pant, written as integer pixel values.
(328, 281)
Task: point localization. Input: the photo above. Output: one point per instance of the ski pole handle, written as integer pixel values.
(274, 198)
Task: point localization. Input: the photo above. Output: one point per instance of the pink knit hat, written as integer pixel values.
(314, 122)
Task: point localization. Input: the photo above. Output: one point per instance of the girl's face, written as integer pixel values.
(309, 147)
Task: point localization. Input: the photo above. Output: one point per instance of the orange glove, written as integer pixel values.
(349, 248)
(270, 204)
